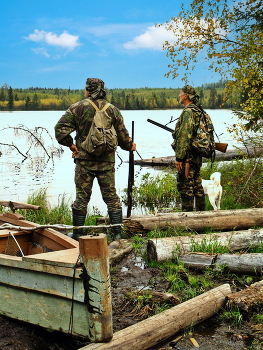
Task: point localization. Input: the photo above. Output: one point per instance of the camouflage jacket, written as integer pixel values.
(78, 117)
(185, 129)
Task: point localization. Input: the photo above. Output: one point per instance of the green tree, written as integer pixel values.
(10, 98)
(229, 35)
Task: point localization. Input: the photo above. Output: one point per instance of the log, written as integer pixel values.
(236, 263)
(238, 219)
(230, 154)
(160, 249)
(162, 326)
(248, 298)
(118, 249)
(18, 205)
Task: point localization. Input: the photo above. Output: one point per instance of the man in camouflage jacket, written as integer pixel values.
(79, 118)
(188, 162)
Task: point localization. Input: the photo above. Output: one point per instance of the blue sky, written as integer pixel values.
(61, 43)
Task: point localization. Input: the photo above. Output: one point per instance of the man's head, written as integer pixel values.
(188, 95)
(95, 87)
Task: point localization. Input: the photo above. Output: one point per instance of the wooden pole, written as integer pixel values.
(95, 259)
(160, 327)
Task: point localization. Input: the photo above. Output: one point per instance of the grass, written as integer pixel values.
(242, 183)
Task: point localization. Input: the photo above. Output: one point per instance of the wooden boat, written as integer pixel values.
(51, 280)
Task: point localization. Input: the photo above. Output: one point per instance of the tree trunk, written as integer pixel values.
(160, 249)
(237, 263)
(239, 219)
(160, 327)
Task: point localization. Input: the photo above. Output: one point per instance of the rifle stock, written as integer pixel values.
(222, 147)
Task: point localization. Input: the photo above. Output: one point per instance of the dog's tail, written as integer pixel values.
(216, 178)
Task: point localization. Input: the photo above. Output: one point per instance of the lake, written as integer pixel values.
(20, 177)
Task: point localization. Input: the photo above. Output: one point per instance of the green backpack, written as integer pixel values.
(102, 137)
(203, 141)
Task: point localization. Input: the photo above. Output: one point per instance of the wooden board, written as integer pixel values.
(66, 257)
(49, 311)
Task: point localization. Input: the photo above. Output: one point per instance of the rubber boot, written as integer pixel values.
(78, 220)
(200, 203)
(116, 218)
(187, 203)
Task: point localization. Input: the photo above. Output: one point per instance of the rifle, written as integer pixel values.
(130, 177)
(218, 145)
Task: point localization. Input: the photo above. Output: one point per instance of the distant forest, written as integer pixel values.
(35, 98)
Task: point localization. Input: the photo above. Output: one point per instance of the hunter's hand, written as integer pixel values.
(133, 147)
(74, 150)
(179, 166)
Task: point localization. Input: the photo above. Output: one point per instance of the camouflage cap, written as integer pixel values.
(95, 87)
(191, 93)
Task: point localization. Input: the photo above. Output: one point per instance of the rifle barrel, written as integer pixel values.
(160, 125)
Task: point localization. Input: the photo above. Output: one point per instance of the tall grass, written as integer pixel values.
(242, 183)
(60, 214)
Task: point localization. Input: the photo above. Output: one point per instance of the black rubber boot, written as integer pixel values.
(200, 203)
(187, 203)
(78, 220)
(116, 218)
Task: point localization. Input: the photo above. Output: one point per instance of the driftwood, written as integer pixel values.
(118, 249)
(160, 249)
(231, 154)
(238, 219)
(237, 263)
(247, 299)
(162, 326)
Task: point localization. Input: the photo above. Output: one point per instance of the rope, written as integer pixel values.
(57, 227)
(70, 328)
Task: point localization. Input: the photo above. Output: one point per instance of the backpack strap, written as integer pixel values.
(96, 108)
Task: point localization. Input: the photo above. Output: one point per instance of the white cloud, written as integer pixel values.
(153, 38)
(64, 40)
(41, 51)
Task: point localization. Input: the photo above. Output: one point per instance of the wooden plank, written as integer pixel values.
(14, 261)
(54, 235)
(66, 257)
(94, 255)
(42, 282)
(17, 205)
(48, 311)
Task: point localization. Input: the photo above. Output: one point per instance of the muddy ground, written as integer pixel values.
(131, 273)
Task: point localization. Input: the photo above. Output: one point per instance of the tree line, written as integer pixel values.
(36, 98)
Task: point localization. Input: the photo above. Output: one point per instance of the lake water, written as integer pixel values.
(20, 178)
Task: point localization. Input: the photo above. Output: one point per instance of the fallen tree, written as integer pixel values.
(230, 154)
(162, 326)
(160, 249)
(238, 219)
(251, 264)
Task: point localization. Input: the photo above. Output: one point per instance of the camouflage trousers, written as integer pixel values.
(191, 187)
(85, 173)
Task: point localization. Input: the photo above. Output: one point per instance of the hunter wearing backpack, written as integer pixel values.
(99, 130)
(188, 160)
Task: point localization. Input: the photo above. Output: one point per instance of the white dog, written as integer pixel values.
(213, 189)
